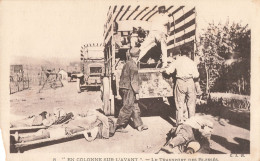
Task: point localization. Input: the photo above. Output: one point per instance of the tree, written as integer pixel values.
(235, 41)
(211, 62)
(219, 43)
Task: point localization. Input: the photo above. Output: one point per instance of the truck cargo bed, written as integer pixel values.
(154, 84)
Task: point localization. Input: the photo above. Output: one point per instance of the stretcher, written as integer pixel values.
(28, 128)
(33, 128)
(20, 147)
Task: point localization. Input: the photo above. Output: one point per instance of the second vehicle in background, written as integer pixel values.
(92, 67)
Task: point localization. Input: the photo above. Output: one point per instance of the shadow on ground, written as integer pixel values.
(13, 149)
(90, 88)
(154, 107)
(242, 146)
(239, 118)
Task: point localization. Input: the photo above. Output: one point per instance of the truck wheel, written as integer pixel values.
(78, 85)
(108, 105)
(101, 92)
(112, 106)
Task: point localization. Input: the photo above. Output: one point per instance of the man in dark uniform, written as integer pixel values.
(129, 89)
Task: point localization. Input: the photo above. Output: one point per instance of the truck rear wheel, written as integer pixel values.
(78, 85)
(108, 104)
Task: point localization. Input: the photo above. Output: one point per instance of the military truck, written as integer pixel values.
(118, 28)
(92, 67)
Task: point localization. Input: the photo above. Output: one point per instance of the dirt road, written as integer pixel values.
(225, 139)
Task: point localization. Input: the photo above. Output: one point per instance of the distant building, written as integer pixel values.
(18, 78)
(16, 69)
(64, 74)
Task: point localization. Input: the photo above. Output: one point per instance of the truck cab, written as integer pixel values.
(92, 67)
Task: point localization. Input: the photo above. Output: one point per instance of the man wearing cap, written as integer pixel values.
(184, 92)
(160, 27)
(191, 136)
(129, 89)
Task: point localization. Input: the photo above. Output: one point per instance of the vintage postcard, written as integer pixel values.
(130, 81)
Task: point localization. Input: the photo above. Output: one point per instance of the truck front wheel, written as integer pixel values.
(78, 85)
(108, 104)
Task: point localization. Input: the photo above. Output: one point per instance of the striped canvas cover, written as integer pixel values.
(183, 26)
(92, 51)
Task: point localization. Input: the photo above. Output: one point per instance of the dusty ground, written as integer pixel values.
(225, 139)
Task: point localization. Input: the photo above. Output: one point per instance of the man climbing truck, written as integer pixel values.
(92, 61)
(127, 23)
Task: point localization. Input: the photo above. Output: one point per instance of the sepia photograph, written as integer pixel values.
(157, 79)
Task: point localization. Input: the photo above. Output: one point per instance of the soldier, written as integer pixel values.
(53, 84)
(190, 137)
(158, 33)
(184, 92)
(39, 79)
(94, 123)
(129, 89)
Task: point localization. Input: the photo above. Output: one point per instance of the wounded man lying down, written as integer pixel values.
(93, 123)
(190, 137)
(58, 116)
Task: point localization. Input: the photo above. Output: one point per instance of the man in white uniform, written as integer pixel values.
(158, 33)
(185, 91)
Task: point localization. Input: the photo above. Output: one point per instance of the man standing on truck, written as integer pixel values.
(184, 92)
(157, 35)
(129, 89)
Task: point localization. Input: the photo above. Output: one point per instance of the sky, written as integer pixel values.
(45, 29)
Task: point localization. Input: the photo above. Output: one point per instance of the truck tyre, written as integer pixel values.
(101, 92)
(108, 104)
(112, 106)
(78, 85)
